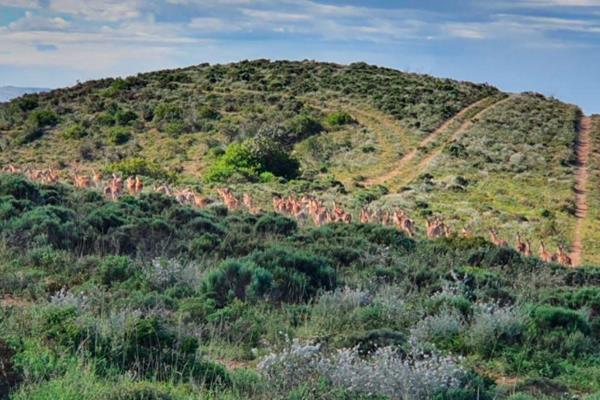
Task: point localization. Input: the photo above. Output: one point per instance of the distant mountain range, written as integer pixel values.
(10, 92)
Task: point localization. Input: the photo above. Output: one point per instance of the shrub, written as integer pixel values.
(547, 318)
(74, 131)
(119, 135)
(339, 118)
(42, 118)
(303, 126)
(235, 279)
(297, 275)
(116, 269)
(168, 112)
(125, 117)
(386, 373)
(207, 112)
(493, 326)
(275, 224)
(237, 159)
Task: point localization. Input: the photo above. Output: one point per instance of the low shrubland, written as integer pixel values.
(146, 298)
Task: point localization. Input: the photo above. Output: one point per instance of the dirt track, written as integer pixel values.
(582, 149)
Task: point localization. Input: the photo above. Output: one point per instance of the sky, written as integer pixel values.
(547, 46)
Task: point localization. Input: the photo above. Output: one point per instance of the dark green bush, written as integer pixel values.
(275, 224)
(119, 135)
(548, 317)
(42, 118)
(339, 118)
(114, 269)
(168, 112)
(74, 131)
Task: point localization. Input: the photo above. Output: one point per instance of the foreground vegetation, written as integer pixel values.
(146, 299)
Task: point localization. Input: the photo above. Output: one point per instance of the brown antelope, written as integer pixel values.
(520, 245)
(139, 184)
(562, 257)
(131, 185)
(496, 240)
(82, 181)
(97, 178)
(404, 223)
(465, 233)
(436, 228)
(545, 255)
(527, 252)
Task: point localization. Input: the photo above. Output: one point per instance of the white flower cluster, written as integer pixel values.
(386, 372)
(492, 321)
(164, 273)
(345, 299)
(65, 298)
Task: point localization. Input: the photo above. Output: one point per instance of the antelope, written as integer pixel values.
(465, 233)
(545, 255)
(97, 178)
(496, 240)
(527, 252)
(562, 257)
(131, 185)
(520, 245)
(436, 228)
(139, 184)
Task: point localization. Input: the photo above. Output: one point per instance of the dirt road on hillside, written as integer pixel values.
(582, 150)
(397, 169)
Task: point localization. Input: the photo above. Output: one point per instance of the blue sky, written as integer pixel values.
(549, 46)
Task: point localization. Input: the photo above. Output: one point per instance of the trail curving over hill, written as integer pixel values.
(582, 150)
(481, 107)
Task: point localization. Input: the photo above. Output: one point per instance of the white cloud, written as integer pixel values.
(31, 22)
(21, 3)
(98, 10)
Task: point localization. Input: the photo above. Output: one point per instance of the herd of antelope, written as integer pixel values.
(304, 208)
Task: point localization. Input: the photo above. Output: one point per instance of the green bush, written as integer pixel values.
(275, 224)
(547, 318)
(168, 112)
(237, 159)
(74, 131)
(339, 118)
(207, 112)
(236, 279)
(119, 135)
(303, 126)
(116, 269)
(42, 118)
(125, 117)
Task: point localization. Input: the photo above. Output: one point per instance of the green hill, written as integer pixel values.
(146, 298)
(478, 157)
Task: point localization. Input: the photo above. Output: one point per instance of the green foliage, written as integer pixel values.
(302, 127)
(548, 318)
(119, 135)
(339, 118)
(250, 161)
(208, 112)
(168, 112)
(74, 131)
(42, 118)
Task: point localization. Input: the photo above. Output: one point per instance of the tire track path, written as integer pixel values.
(582, 150)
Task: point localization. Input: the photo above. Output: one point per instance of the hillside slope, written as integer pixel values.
(468, 153)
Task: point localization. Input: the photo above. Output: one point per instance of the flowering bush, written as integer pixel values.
(494, 324)
(387, 372)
